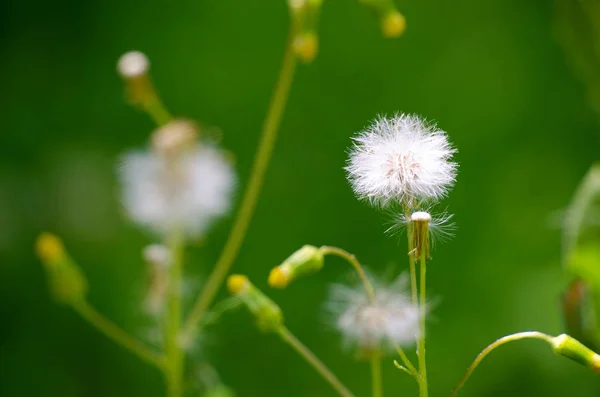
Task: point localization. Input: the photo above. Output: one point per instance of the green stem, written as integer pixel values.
(423, 308)
(261, 162)
(411, 256)
(411, 368)
(376, 376)
(497, 343)
(310, 357)
(157, 110)
(350, 258)
(112, 331)
(173, 351)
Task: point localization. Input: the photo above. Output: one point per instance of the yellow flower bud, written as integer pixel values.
(268, 315)
(308, 259)
(67, 283)
(306, 46)
(49, 248)
(393, 24)
(236, 283)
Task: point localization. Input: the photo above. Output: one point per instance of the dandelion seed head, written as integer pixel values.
(133, 64)
(187, 194)
(388, 320)
(402, 159)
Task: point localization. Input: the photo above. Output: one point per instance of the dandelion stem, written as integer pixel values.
(156, 109)
(261, 163)
(423, 308)
(497, 343)
(411, 257)
(376, 376)
(350, 258)
(310, 357)
(114, 332)
(173, 351)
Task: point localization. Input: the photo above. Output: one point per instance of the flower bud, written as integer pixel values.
(566, 346)
(268, 315)
(134, 68)
(306, 46)
(67, 283)
(305, 15)
(306, 260)
(393, 24)
(421, 242)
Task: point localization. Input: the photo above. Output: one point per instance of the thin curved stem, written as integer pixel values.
(423, 314)
(310, 357)
(350, 258)
(114, 332)
(261, 162)
(497, 343)
(376, 376)
(411, 368)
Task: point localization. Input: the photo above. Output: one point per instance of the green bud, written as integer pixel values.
(307, 260)
(566, 346)
(268, 315)
(67, 283)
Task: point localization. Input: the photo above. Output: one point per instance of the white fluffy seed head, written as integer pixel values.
(133, 64)
(391, 319)
(402, 159)
(187, 194)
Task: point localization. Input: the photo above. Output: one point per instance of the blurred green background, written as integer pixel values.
(490, 72)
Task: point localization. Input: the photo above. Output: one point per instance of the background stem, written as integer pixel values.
(310, 357)
(376, 376)
(174, 353)
(112, 331)
(350, 258)
(497, 343)
(261, 162)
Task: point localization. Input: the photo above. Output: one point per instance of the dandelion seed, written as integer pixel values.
(402, 159)
(186, 193)
(371, 325)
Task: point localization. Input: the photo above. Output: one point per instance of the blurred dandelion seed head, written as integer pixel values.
(370, 325)
(133, 64)
(402, 159)
(188, 193)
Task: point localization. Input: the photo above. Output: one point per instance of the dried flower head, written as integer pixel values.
(187, 193)
(391, 319)
(401, 159)
(440, 225)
